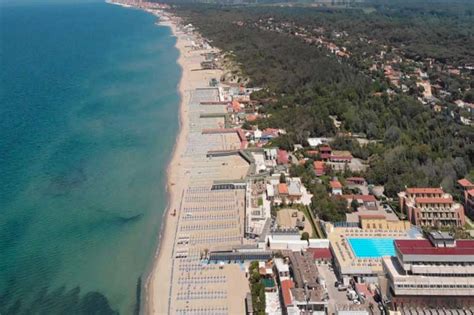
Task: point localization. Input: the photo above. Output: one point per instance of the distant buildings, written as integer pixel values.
(439, 271)
(431, 207)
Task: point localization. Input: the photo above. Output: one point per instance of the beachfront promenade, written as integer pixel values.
(205, 219)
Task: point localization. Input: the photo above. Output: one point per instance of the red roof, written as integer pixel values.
(372, 216)
(270, 132)
(364, 198)
(362, 288)
(236, 106)
(319, 168)
(414, 190)
(433, 200)
(318, 165)
(286, 285)
(320, 253)
(335, 184)
(282, 157)
(251, 117)
(356, 179)
(465, 183)
(470, 192)
(425, 247)
(283, 189)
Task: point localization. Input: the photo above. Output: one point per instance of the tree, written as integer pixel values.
(282, 178)
(354, 205)
(305, 236)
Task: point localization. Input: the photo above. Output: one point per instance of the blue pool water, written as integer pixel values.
(372, 247)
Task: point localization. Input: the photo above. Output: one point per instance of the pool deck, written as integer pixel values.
(346, 260)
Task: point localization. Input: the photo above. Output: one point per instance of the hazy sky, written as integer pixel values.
(26, 2)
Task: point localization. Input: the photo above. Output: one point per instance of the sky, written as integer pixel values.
(28, 2)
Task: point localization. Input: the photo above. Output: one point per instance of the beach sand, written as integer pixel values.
(161, 289)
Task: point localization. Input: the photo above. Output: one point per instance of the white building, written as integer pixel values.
(440, 270)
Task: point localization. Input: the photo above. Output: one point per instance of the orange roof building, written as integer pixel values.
(335, 184)
(319, 168)
(251, 117)
(468, 189)
(236, 107)
(286, 286)
(465, 183)
(336, 187)
(283, 189)
(431, 207)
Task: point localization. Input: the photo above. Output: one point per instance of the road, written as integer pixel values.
(335, 296)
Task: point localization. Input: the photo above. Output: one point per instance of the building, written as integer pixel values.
(319, 168)
(469, 203)
(325, 152)
(290, 239)
(287, 300)
(356, 181)
(283, 157)
(431, 207)
(438, 271)
(321, 255)
(249, 305)
(357, 252)
(314, 142)
(364, 202)
(468, 192)
(341, 157)
(292, 191)
(303, 294)
(381, 222)
(336, 187)
(282, 269)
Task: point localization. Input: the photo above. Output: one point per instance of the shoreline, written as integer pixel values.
(171, 171)
(216, 219)
(169, 223)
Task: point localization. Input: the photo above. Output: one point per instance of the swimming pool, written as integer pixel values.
(372, 247)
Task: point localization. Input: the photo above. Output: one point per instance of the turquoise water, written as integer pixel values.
(88, 120)
(372, 247)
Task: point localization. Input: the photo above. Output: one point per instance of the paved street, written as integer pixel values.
(335, 296)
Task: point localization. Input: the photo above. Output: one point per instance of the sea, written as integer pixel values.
(88, 121)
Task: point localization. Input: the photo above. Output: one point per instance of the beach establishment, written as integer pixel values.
(358, 249)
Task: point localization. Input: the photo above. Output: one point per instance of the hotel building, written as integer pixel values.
(435, 271)
(468, 191)
(431, 207)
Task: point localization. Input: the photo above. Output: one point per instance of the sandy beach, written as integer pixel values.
(202, 214)
(162, 290)
(156, 301)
